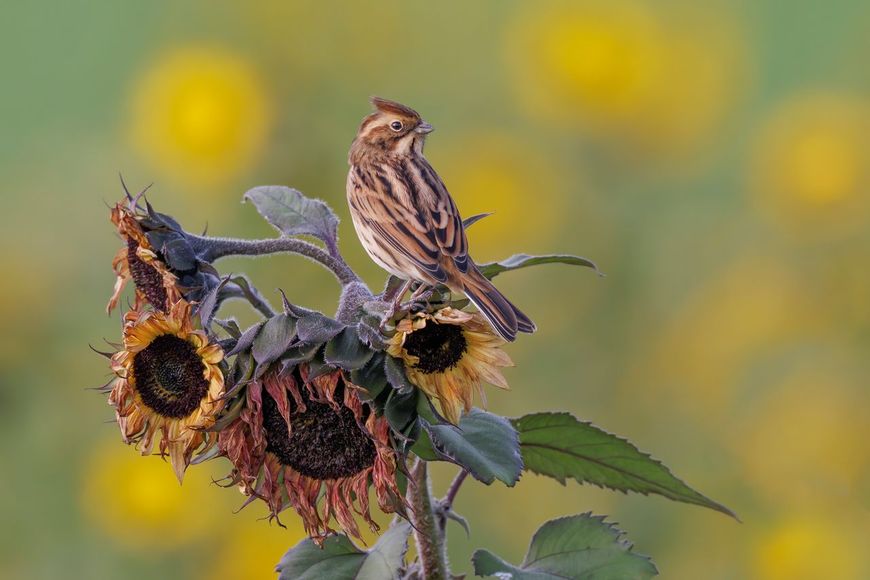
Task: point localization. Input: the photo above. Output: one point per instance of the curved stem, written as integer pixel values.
(431, 547)
(447, 502)
(211, 249)
(253, 297)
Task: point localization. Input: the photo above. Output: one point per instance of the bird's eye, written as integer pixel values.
(396, 126)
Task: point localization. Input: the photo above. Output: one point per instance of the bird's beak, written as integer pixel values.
(423, 128)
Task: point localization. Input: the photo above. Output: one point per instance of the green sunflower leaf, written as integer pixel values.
(485, 444)
(274, 338)
(293, 214)
(517, 261)
(582, 547)
(340, 559)
(560, 446)
(401, 410)
(347, 351)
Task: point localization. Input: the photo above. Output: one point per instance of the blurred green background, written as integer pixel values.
(711, 157)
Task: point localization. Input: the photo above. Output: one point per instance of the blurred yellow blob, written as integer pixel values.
(509, 179)
(138, 502)
(811, 548)
(25, 305)
(654, 77)
(200, 114)
(806, 444)
(738, 319)
(597, 60)
(811, 163)
(253, 547)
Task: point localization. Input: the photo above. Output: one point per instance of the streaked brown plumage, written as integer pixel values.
(406, 219)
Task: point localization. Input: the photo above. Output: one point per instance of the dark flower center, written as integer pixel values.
(146, 277)
(438, 347)
(325, 443)
(169, 376)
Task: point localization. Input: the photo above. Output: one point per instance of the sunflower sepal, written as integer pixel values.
(347, 351)
(372, 379)
(317, 328)
(273, 339)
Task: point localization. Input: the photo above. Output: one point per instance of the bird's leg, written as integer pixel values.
(396, 302)
(421, 294)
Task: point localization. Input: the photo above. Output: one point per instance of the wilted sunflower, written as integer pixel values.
(449, 354)
(168, 381)
(312, 444)
(138, 261)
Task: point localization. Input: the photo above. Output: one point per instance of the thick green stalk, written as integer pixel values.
(431, 544)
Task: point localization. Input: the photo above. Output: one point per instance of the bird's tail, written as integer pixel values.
(504, 317)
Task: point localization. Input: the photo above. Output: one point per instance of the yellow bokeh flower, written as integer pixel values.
(806, 443)
(811, 163)
(200, 115)
(588, 60)
(739, 318)
(253, 548)
(138, 503)
(810, 548)
(655, 78)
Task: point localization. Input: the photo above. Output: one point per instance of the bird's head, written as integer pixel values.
(392, 128)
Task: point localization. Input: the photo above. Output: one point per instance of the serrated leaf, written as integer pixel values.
(347, 351)
(582, 547)
(387, 556)
(340, 559)
(560, 446)
(274, 338)
(315, 327)
(293, 214)
(517, 261)
(484, 444)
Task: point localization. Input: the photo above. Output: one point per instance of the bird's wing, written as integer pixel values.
(381, 198)
(442, 213)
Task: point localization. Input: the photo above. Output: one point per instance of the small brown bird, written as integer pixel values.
(407, 221)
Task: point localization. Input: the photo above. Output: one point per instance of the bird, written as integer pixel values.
(407, 220)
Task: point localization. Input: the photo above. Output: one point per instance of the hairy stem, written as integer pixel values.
(447, 502)
(254, 298)
(211, 249)
(431, 546)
